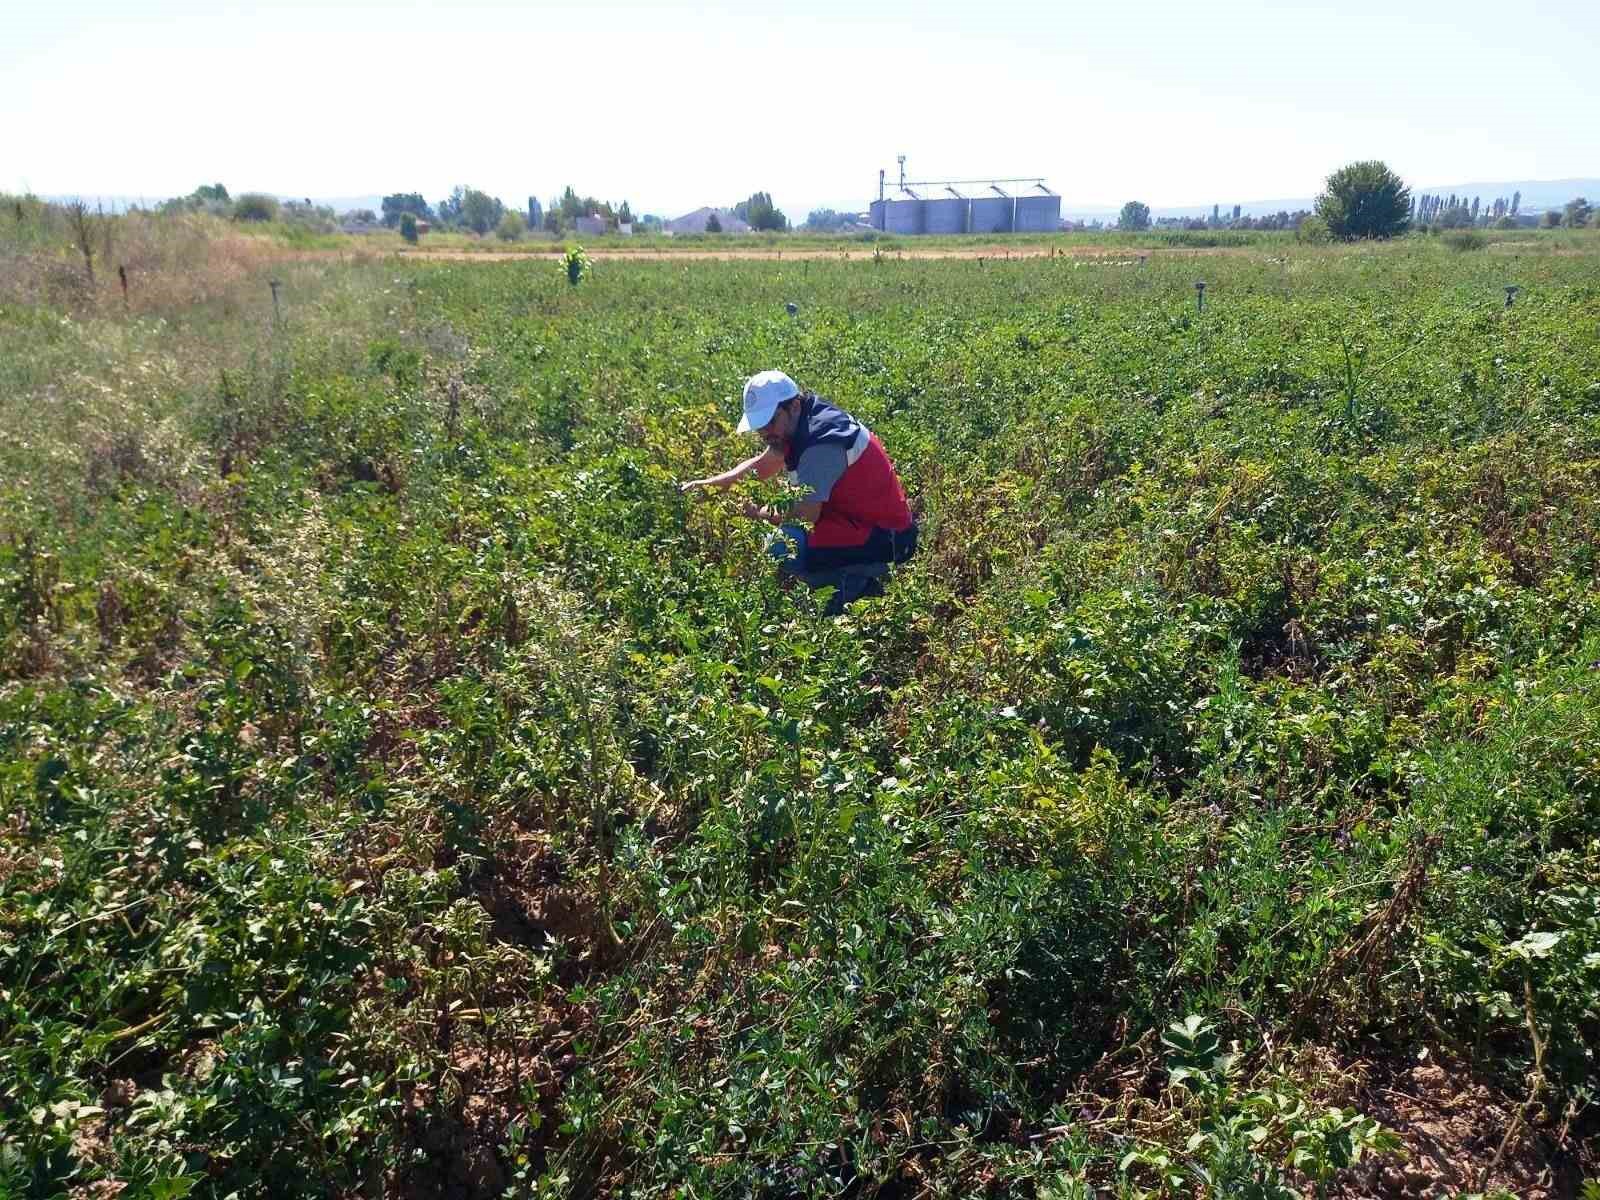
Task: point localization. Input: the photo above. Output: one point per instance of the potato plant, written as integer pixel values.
(405, 790)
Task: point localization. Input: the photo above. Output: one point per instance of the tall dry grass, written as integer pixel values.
(101, 389)
(142, 262)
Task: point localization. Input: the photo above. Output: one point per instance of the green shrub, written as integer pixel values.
(575, 264)
(255, 206)
(512, 226)
(1313, 231)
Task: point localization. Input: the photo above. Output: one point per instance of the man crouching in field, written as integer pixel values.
(860, 522)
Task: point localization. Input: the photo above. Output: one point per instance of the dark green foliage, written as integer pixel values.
(1366, 200)
(395, 207)
(254, 206)
(1312, 231)
(825, 220)
(569, 206)
(471, 209)
(760, 213)
(480, 212)
(1464, 239)
(1134, 216)
(408, 227)
(511, 226)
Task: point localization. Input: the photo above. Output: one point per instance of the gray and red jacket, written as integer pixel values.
(868, 495)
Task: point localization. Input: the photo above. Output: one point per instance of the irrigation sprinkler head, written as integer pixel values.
(792, 309)
(1200, 295)
(1511, 292)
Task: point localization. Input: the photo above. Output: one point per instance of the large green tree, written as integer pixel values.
(1365, 200)
(405, 202)
(760, 213)
(477, 211)
(569, 206)
(824, 219)
(1134, 216)
(480, 211)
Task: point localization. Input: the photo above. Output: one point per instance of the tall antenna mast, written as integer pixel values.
(902, 159)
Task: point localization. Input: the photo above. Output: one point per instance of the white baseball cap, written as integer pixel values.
(762, 395)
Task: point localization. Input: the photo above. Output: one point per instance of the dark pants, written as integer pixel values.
(852, 571)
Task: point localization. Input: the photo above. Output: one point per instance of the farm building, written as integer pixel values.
(945, 208)
(695, 222)
(590, 226)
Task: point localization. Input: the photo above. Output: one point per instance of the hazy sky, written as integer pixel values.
(671, 106)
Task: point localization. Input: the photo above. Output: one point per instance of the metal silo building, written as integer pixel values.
(1038, 214)
(946, 214)
(949, 212)
(903, 214)
(993, 214)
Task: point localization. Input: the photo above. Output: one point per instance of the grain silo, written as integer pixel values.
(1038, 214)
(946, 214)
(949, 211)
(903, 214)
(992, 214)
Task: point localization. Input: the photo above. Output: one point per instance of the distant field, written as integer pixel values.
(809, 243)
(404, 790)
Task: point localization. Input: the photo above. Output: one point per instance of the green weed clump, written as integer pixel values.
(1464, 239)
(404, 788)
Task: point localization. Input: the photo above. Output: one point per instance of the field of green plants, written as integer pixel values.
(405, 791)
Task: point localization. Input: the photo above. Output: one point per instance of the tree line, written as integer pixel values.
(1458, 212)
(1368, 200)
(471, 209)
